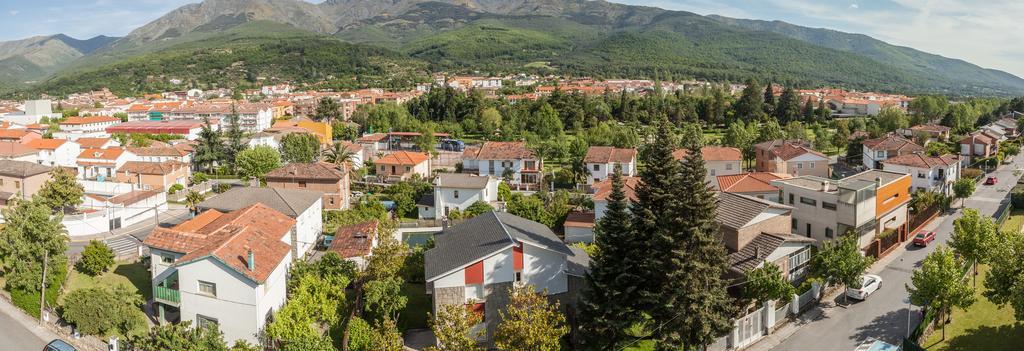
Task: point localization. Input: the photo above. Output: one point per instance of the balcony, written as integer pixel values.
(165, 295)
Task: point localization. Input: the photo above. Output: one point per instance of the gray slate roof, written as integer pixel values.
(736, 210)
(483, 235)
(757, 250)
(426, 200)
(461, 181)
(22, 169)
(291, 202)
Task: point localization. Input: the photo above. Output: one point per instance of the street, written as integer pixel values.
(126, 240)
(15, 336)
(884, 314)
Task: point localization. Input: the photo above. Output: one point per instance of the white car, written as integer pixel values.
(869, 283)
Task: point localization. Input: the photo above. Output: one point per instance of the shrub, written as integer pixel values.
(360, 335)
(104, 312)
(175, 188)
(971, 173)
(1017, 196)
(96, 258)
(199, 177)
(222, 187)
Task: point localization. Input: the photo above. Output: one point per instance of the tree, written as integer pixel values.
(767, 283)
(963, 188)
(314, 303)
(104, 312)
(327, 110)
(750, 106)
(384, 297)
(1004, 282)
(405, 194)
(530, 322)
(96, 258)
(796, 130)
(478, 208)
(808, 111)
(890, 119)
(530, 207)
(192, 200)
(234, 135)
(841, 262)
(210, 150)
(604, 308)
(256, 162)
(974, 238)
(490, 121)
(788, 108)
(770, 130)
(181, 336)
(426, 142)
(453, 329)
(62, 191)
(824, 113)
(695, 309)
(741, 137)
(339, 155)
(30, 234)
(386, 259)
(299, 148)
(769, 100)
(939, 284)
(546, 123)
(386, 336)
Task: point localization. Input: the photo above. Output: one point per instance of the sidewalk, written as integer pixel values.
(826, 308)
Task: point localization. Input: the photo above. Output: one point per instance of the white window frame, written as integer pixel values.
(201, 283)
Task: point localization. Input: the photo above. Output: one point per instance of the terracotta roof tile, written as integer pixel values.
(892, 142)
(756, 182)
(713, 153)
(403, 158)
(315, 170)
(103, 154)
(89, 120)
(355, 240)
(161, 168)
(46, 144)
(608, 154)
(920, 160)
(580, 220)
(92, 143)
(603, 189)
(15, 149)
(504, 150)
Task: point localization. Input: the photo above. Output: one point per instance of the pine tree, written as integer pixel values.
(769, 100)
(808, 111)
(788, 107)
(695, 307)
(652, 215)
(234, 135)
(751, 103)
(823, 111)
(613, 274)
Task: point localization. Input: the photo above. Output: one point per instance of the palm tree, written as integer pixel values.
(338, 155)
(192, 201)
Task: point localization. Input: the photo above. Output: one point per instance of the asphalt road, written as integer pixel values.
(14, 335)
(134, 234)
(884, 315)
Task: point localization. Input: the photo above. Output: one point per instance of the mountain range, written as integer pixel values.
(392, 43)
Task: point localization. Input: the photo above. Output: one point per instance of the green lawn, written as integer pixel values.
(133, 275)
(984, 326)
(1014, 222)
(414, 316)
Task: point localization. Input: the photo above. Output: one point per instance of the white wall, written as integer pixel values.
(544, 269)
(498, 267)
(718, 168)
(578, 234)
(445, 197)
(308, 226)
(236, 306)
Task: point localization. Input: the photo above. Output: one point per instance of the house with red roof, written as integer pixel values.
(90, 124)
(928, 173)
(510, 160)
(355, 242)
(402, 165)
(717, 160)
(892, 145)
(601, 162)
(756, 184)
(56, 152)
(102, 163)
(226, 270)
(793, 157)
(19, 135)
(978, 145)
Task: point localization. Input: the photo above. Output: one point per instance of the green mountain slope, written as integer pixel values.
(962, 72)
(243, 56)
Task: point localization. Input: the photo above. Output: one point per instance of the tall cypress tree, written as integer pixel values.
(234, 135)
(605, 311)
(788, 107)
(696, 309)
(769, 100)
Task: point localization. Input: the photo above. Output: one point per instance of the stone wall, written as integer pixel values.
(497, 300)
(448, 296)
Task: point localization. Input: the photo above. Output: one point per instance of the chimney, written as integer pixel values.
(878, 182)
(251, 263)
(757, 252)
(824, 186)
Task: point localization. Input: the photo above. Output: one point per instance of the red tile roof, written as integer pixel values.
(608, 154)
(159, 168)
(892, 142)
(755, 182)
(15, 149)
(355, 240)
(921, 160)
(713, 153)
(503, 150)
(92, 143)
(603, 189)
(89, 120)
(314, 171)
(104, 154)
(404, 158)
(229, 237)
(579, 220)
(46, 144)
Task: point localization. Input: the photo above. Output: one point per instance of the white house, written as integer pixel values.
(878, 150)
(304, 206)
(478, 260)
(272, 140)
(85, 125)
(504, 158)
(602, 160)
(928, 173)
(717, 160)
(57, 152)
(458, 191)
(10, 150)
(102, 163)
(161, 154)
(228, 270)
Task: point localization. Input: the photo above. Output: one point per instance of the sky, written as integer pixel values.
(986, 33)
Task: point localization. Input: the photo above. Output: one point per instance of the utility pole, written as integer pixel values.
(42, 291)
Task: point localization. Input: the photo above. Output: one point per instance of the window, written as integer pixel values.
(812, 164)
(829, 233)
(597, 167)
(302, 184)
(393, 170)
(807, 201)
(728, 166)
(711, 172)
(17, 184)
(790, 199)
(204, 321)
(920, 175)
(207, 288)
(456, 194)
(331, 200)
(793, 221)
(167, 259)
(383, 168)
(828, 205)
(879, 154)
(519, 276)
(808, 229)
(799, 165)
(407, 168)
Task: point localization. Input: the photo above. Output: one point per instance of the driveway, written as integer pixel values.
(884, 315)
(126, 240)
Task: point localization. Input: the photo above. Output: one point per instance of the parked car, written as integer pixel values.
(869, 283)
(923, 238)
(58, 345)
(991, 181)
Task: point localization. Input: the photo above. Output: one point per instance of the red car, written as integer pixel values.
(991, 181)
(923, 238)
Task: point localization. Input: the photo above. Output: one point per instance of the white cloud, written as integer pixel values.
(854, 6)
(13, 12)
